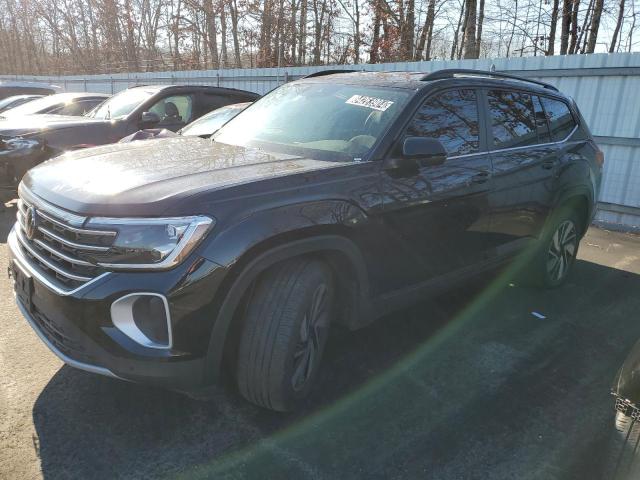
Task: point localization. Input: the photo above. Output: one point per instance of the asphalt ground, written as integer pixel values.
(469, 385)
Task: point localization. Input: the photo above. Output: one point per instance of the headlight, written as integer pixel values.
(150, 243)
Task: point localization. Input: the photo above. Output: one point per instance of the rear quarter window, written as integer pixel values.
(561, 121)
(512, 119)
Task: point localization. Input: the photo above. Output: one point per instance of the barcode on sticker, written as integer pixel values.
(370, 102)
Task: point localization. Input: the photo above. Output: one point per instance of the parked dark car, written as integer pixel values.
(334, 199)
(203, 127)
(70, 104)
(9, 88)
(27, 141)
(16, 100)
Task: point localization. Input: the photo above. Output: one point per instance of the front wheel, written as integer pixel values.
(285, 329)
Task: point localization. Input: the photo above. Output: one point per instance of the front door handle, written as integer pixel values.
(481, 177)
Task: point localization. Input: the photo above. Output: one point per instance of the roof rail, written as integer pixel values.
(451, 72)
(322, 73)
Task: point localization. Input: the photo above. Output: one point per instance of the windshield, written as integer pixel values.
(211, 122)
(315, 118)
(40, 105)
(17, 100)
(121, 104)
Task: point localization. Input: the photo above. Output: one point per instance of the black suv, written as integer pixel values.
(332, 200)
(29, 140)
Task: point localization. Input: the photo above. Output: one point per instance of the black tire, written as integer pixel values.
(285, 329)
(556, 251)
(621, 459)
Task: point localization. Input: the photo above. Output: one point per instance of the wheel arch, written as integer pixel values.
(341, 254)
(580, 199)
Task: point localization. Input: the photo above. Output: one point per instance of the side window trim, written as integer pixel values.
(488, 123)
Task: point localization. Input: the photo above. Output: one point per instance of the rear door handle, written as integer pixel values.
(481, 177)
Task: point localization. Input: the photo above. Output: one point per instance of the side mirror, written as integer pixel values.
(149, 119)
(426, 151)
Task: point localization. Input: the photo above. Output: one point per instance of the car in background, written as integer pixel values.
(28, 140)
(210, 123)
(9, 88)
(16, 100)
(70, 104)
(203, 127)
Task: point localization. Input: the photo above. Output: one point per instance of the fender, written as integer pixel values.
(233, 293)
(228, 245)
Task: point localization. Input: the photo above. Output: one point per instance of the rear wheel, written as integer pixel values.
(557, 250)
(285, 329)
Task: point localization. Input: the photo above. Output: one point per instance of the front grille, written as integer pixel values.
(58, 246)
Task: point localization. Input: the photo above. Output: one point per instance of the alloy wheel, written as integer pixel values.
(562, 250)
(312, 331)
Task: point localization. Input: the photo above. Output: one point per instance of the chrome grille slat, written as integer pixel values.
(63, 256)
(70, 244)
(82, 231)
(56, 247)
(49, 264)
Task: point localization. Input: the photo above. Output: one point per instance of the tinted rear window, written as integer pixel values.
(541, 121)
(561, 122)
(512, 119)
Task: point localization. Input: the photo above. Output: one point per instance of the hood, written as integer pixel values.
(32, 124)
(627, 382)
(147, 177)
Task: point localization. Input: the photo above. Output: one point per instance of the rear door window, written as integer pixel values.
(512, 119)
(452, 118)
(561, 121)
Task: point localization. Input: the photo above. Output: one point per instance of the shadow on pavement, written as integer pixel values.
(467, 385)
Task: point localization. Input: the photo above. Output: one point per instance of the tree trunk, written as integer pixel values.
(357, 41)
(223, 34)
(616, 31)
(583, 30)
(302, 43)
(566, 25)
(574, 26)
(233, 11)
(293, 30)
(552, 29)
(480, 22)
(595, 25)
(470, 50)
(212, 33)
(407, 27)
(374, 54)
(454, 46)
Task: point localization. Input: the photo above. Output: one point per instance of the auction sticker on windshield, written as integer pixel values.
(370, 102)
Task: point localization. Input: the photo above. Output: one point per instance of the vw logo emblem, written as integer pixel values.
(30, 222)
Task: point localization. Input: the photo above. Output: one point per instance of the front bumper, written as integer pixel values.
(77, 325)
